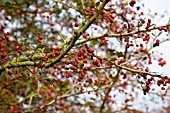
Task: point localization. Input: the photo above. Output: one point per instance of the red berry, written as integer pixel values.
(72, 67)
(125, 25)
(53, 55)
(56, 107)
(67, 62)
(8, 33)
(126, 100)
(41, 37)
(6, 17)
(2, 26)
(106, 34)
(132, 3)
(56, 48)
(19, 75)
(36, 10)
(162, 88)
(132, 25)
(9, 72)
(85, 36)
(54, 37)
(42, 64)
(90, 50)
(76, 24)
(76, 32)
(4, 55)
(57, 53)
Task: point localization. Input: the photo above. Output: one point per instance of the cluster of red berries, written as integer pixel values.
(81, 76)
(2, 27)
(5, 37)
(40, 38)
(121, 61)
(146, 38)
(148, 24)
(85, 36)
(19, 48)
(161, 81)
(5, 85)
(132, 3)
(161, 62)
(96, 63)
(103, 42)
(56, 53)
(46, 57)
(19, 76)
(1, 46)
(156, 43)
(53, 55)
(61, 106)
(160, 28)
(35, 10)
(146, 88)
(68, 74)
(4, 57)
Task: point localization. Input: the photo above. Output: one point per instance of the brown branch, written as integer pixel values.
(108, 92)
(26, 61)
(119, 35)
(136, 71)
(115, 79)
(69, 95)
(75, 37)
(71, 6)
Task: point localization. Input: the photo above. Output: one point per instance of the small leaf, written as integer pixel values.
(48, 51)
(125, 2)
(40, 46)
(24, 75)
(119, 54)
(144, 58)
(116, 3)
(8, 4)
(112, 51)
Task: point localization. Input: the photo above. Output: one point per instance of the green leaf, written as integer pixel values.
(8, 4)
(48, 51)
(144, 58)
(24, 74)
(119, 54)
(40, 46)
(116, 53)
(112, 51)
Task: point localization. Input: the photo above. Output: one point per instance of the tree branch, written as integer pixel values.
(83, 29)
(26, 61)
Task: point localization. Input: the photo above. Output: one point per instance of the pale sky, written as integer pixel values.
(161, 6)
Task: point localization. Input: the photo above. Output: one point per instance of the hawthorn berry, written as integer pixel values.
(132, 24)
(76, 32)
(4, 55)
(9, 72)
(85, 36)
(156, 43)
(76, 24)
(36, 10)
(90, 50)
(106, 34)
(125, 25)
(42, 64)
(132, 3)
(6, 17)
(163, 88)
